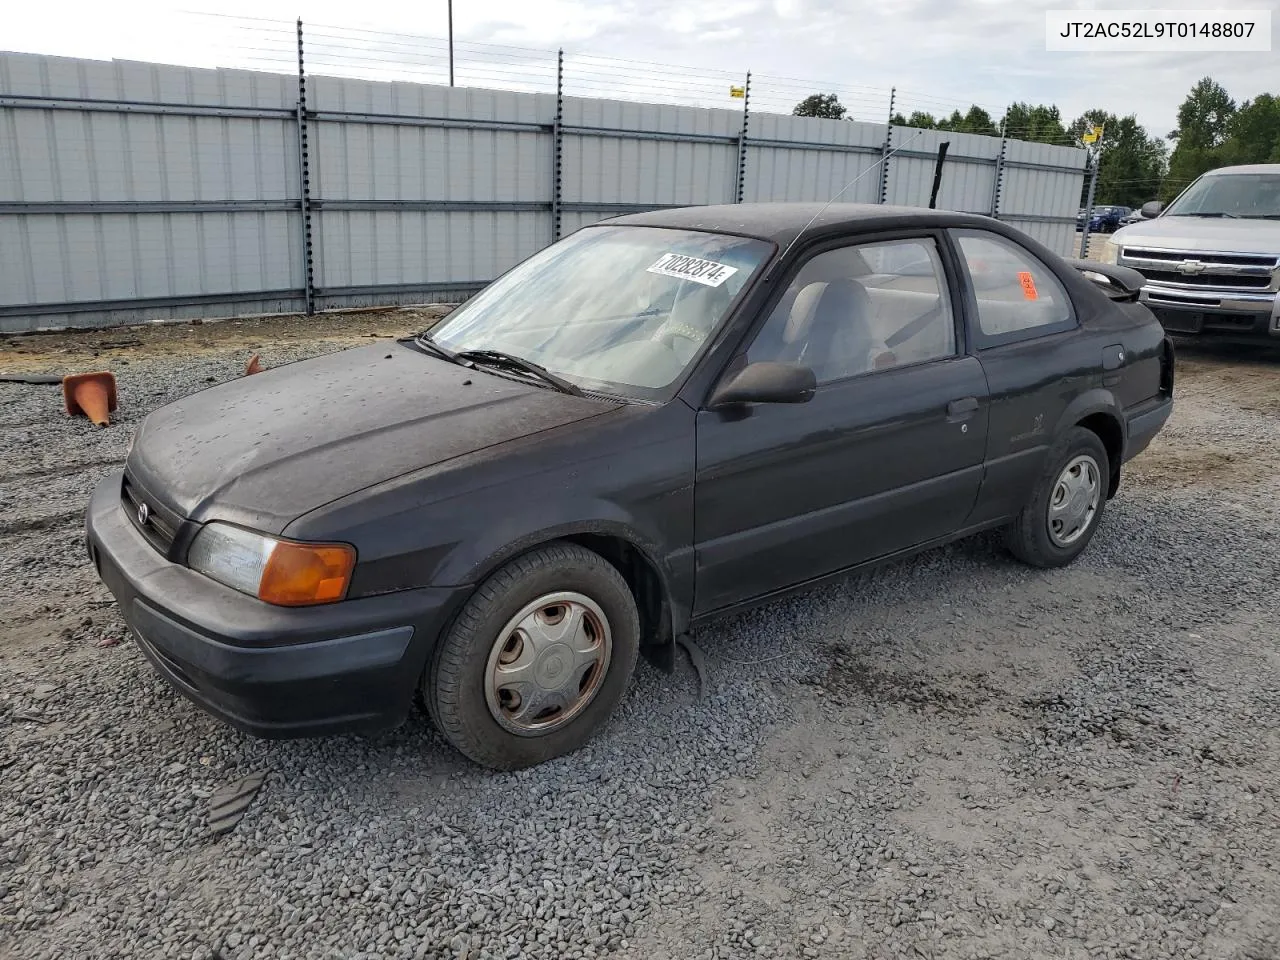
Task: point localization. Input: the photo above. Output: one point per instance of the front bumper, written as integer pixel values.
(1251, 316)
(270, 671)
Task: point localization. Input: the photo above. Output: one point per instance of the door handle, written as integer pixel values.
(962, 408)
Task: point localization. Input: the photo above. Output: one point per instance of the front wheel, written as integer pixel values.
(1066, 506)
(537, 660)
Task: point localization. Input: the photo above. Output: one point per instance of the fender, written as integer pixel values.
(1089, 403)
(1094, 403)
(473, 560)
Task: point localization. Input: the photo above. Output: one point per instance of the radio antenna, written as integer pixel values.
(919, 133)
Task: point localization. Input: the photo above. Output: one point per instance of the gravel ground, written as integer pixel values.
(953, 757)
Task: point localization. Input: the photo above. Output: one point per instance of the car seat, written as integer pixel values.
(829, 329)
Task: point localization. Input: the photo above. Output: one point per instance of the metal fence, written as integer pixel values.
(134, 191)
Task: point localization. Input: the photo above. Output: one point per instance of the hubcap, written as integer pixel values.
(548, 663)
(1074, 501)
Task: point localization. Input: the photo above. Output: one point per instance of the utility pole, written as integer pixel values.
(451, 43)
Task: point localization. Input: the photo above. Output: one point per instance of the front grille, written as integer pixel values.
(1266, 261)
(1208, 279)
(157, 526)
(1205, 270)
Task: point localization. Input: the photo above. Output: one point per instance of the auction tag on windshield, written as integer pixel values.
(706, 272)
(1028, 285)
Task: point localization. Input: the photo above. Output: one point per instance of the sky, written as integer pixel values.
(938, 54)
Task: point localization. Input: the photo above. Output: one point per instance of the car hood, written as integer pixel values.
(1203, 233)
(264, 449)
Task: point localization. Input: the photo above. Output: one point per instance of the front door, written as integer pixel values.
(887, 455)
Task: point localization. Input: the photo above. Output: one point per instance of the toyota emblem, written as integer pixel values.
(144, 514)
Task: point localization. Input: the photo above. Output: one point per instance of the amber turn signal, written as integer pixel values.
(301, 574)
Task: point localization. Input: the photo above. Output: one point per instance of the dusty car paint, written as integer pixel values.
(439, 474)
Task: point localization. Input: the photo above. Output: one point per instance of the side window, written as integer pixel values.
(1016, 293)
(871, 306)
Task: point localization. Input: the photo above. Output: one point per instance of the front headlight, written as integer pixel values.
(283, 572)
(1110, 251)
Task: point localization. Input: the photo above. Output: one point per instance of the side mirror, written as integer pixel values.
(1152, 209)
(766, 382)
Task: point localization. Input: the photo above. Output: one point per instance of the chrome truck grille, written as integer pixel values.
(1203, 271)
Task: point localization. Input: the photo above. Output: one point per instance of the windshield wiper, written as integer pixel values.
(498, 358)
(1215, 213)
(424, 342)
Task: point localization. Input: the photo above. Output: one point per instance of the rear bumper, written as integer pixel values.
(1143, 424)
(270, 671)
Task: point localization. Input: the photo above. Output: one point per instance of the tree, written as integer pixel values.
(1131, 163)
(1204, 120)
(1253, 135)
(1204, 116)
(918, 119)
(1040, 124)
(825, 105)
(976, 120)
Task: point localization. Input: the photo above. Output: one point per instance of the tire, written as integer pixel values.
(469, 690)
(1033, 537)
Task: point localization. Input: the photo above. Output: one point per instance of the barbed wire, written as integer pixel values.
(366, 53)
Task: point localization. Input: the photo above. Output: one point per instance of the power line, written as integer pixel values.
(386, 55)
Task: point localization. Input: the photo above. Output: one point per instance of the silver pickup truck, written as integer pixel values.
(1211, 259)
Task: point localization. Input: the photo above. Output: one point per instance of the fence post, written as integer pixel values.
(1088, 204)
(998, 187)
(557, 156)
(304, 184)
(740, 191)
(888, 145)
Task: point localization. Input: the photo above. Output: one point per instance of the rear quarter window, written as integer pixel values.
(1015, 294)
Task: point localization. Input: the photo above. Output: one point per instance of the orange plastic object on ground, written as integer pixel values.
(91, 394)
(253, 366)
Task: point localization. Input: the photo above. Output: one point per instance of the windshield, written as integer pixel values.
(612, 309)
(1230, 194)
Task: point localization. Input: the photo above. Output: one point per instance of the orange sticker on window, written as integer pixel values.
(1028, 285)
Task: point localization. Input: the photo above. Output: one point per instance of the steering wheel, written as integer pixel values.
(680, 338)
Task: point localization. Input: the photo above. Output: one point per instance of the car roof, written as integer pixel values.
(782, 221)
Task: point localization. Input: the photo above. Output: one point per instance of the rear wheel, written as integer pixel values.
(1066, 507)
(537, 659)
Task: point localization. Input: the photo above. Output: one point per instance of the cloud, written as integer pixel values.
(940, 54)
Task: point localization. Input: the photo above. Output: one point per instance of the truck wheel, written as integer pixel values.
(537, 659)
(1066, 507)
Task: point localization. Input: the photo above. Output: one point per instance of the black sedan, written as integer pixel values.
(652, 422)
